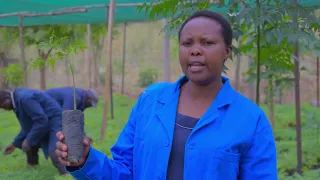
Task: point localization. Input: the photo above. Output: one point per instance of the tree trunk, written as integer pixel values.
(297, 102)
(97, 58)
(318, 86)
(251, 85)
(237, 75)
(89, 53)
(258, 61)
(280, 95)
(271, 101)
(43, 84)
(123, 57)
(23, 60)
(166, 53)
(96, 70)
(1, 74)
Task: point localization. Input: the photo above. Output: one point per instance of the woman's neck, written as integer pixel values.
(201, 92)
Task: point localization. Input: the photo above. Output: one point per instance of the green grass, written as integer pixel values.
(13, 166)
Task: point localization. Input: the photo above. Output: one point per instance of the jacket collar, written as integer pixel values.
(13, 100)
(225, 96)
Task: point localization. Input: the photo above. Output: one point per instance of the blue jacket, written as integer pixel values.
(232, 140)
(39, 115)
(64, 96)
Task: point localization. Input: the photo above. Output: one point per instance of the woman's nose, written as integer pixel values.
(195, 51)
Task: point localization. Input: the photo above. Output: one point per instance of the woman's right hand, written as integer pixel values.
(61, 151)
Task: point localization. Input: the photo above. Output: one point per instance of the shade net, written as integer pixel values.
(92, 16)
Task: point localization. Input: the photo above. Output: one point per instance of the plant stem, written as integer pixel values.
(74, 86)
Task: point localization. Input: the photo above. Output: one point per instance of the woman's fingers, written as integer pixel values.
(60, 136)
(64, 162)
(61, 154)
(60, 146)
(86, 141)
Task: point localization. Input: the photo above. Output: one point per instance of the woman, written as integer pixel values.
(196, 128)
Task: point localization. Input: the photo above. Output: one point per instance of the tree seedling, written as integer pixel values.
(73, 119)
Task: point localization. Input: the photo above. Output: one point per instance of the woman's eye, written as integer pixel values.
(186, 43)
(208, 43)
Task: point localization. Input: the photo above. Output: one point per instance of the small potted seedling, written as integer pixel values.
(73, 119)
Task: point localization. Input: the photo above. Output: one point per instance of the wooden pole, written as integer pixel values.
(79, 9)
(166, 53)
(123, 57)
(297, 99)
(251, 89)
(89, 53)
(75, 9)
(53, 13)
(108, 69)
(297, 102)
(23, 60)
(237, 74)
(111, 85)
(258, 58)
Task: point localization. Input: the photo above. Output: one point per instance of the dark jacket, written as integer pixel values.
(64, 96)
(40, 118)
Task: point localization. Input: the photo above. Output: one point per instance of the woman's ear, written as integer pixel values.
(228, 52)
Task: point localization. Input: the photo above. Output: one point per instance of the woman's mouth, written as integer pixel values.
(196, 67)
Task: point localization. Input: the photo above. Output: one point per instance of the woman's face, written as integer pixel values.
(202, 50)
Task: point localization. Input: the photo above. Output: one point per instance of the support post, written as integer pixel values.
(297, 99)
(108, 69)
(166, 53)
(123, 57)
(89, 53)
(23, 60)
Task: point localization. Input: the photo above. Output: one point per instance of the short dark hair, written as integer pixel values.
(4, 95)
(225, 25)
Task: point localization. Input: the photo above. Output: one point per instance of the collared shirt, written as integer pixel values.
(12, 99)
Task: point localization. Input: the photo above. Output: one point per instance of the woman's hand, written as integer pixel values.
(62, 154)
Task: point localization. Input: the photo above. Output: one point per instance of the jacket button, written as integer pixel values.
(166, 144)
(192, 145)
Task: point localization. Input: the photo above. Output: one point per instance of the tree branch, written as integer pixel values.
(48, 53)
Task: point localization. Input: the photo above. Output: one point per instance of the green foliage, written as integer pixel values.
(37, 34)
(61, 50)
(147, 76)
(13, 74)
(8, 36)
(177, 11)
(98, 31)
(15, 166)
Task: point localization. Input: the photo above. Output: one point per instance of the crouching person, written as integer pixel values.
(84, 98)
(40, 118)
